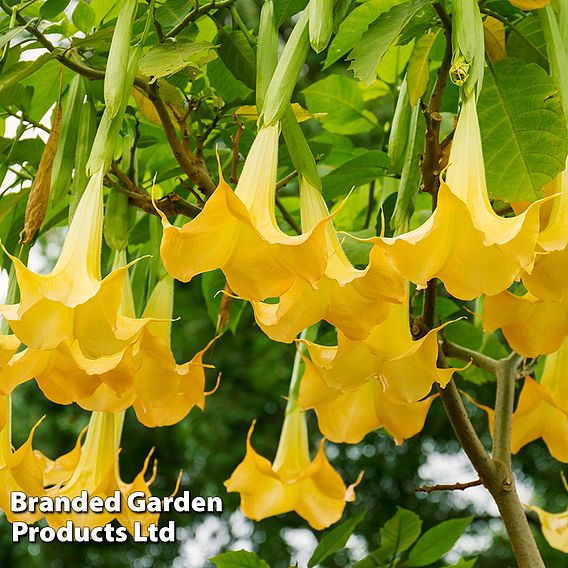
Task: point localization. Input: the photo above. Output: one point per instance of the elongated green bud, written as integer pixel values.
(266, 52)
(410, 177)
(321, 23)
(85, 137)
(298, 147)
(115, 76)
(116, 220)
(63, 162)
(284, 79)
(104, 146)
(398, 138)
(557, 53)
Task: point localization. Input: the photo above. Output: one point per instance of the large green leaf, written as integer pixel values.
(169, 58)
(354, 26)
(356, 172)
(8, 35)
(371, 48)
(437, 541)
(239, 559)
(400, 532)
(524, 134)
(341, 98)
(228, 87)
(283, 9)
(19, 71)
(335, 539)
(238, 56)
(527, 42)
(52, 8)
(419, 68)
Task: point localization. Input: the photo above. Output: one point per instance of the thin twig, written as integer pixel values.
(478, 359)
(288, 218)
(452, 487)
(196, 13)
(235, 162)
(281, 184)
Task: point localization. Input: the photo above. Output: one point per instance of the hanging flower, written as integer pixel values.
(530, 326)
(465, 243)
(547, 279)
(348, 416)
(542, 411)
(554, 526)
(97, 472)
(313, 489)
(20, 470)
(144, 375)
(72, 302)
(353, 300)
(238, 233)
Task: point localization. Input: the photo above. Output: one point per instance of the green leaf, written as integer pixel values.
(84, 17)
(238, 56)
(356, 172)
(335, 539)
(528, 42)
(169, 58)
(239, 559)
(341, 98)
(9, 35)
(401, 531)
(284, 9)
(419, 68)
(437, 541)
(23, 69)
(52, 8)
(524, 134)
(227, 86)
(371, 48)
(354, 26)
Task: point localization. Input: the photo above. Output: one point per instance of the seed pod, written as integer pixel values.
(398, 138)
(116, 220)
(63, 161)
(38, 199)
(321, 23)
(115, 77)
(85, 137)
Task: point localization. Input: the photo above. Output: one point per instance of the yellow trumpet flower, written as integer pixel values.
(465, 243)
(97, 472)
(547, 279)
(405, 368)
(529, 4)
(144, 375)
(313, 489)
(531, 327)
(348, 416)
(353, 300)
(20, 470)
(238, 233)
(542, 411)
(554, 525)
(72, 302)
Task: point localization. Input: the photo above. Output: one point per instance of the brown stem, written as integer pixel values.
(193, 166)
(171, 205)
(451, 487)
(478, 359)
(289, 219)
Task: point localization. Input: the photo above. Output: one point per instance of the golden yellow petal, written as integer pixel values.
(554, 528)
(530, 326)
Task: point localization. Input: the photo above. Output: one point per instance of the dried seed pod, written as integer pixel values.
(39, 194)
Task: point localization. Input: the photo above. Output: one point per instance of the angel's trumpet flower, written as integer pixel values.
(72, 302)
(530, 326)
(465, 243)
(20, 470)
(144, 375)
(238, 233)
(97, 472)
(547, 280)
(554, 526)
(542, 411)
(292, 483)
(353, 300)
